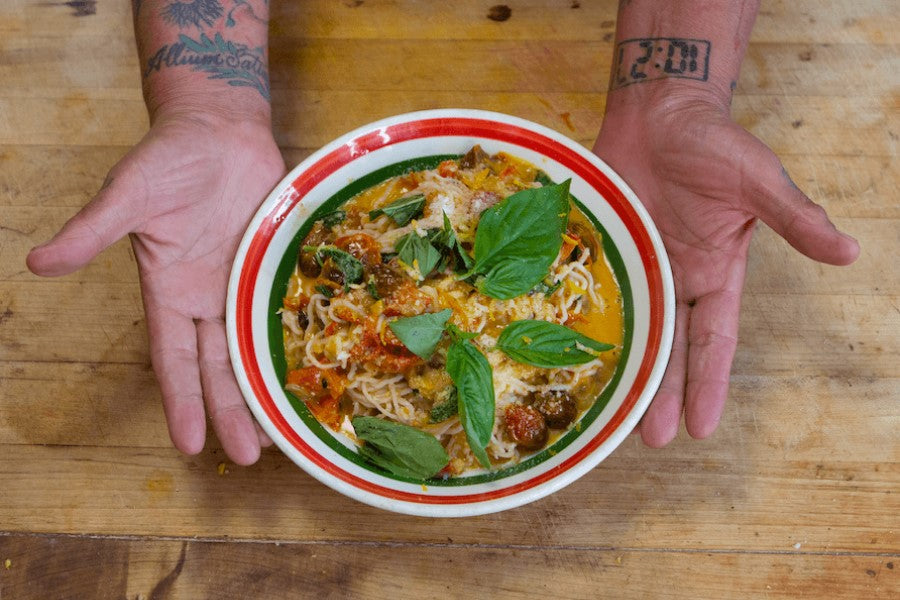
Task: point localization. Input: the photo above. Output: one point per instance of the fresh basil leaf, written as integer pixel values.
(466, 262)
(446, 409)
(370, 454)
(471, 373)
(542, 178)
(418, 253)
(400, 449)
(422, 333)
(349, 265)
(325, 291)
(443, 237)
(446, 239)
(547, 345)
(459, 335)
(332, 218)
(504, 281)
(435, 237)
(519, 238)
(402, 211)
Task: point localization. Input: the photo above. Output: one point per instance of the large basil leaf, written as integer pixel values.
(418, 253)
(547, 345)
(519, 238)
(400, 449)
(402, 211)
(504, 281)
(421, 334)
(349, 265)
(471, 373)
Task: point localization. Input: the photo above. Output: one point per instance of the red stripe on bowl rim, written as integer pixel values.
(434, 127)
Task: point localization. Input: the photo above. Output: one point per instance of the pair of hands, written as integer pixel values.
(187, 191)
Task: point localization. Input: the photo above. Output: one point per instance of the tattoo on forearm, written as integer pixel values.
(648, 59)
(237, 64)
(193, 13)
(230, 22)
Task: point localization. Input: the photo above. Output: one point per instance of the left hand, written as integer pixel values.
(185, 194)
(705, 181)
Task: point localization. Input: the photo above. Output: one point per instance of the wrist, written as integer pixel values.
(678, 51)
(205, 58)
(668, 96)
(196, 98)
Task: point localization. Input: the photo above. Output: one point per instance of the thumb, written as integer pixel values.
(805, 225)
(109, 216)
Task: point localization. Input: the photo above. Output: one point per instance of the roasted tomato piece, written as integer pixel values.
(385, 352)
(559, 408)
(526, 426)
(318, 382)
(298, 305)
(406, 300)
(362, 247)
(317, 236)
(448, 168)
(347, 315)
(321, 390)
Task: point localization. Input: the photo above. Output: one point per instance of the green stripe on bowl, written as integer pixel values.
(276, 340)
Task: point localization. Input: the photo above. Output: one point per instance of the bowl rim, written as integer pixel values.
(442, 122)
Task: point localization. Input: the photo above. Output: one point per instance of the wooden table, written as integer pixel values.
(796, 495)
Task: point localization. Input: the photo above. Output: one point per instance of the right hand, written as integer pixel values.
(185, 193)
(705, 181)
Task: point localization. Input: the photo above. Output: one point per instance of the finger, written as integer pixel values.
(264, 440)
(173, 350)
(230, 416)
(104, 220)
(712, 342)
(659, 426)
(804, 224)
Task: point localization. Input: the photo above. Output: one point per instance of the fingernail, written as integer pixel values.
(849, 237)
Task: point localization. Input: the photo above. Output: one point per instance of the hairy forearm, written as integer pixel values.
(204, 55)
(687, 47)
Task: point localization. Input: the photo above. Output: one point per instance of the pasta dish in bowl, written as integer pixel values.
(450, 313)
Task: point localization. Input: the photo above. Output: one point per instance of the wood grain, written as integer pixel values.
(174, 569)
(800, 21)
(795, 496)
(758, 489)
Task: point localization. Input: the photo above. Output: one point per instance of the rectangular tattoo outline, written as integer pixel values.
(618, 81)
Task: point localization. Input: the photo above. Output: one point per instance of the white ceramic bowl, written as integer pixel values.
(371, 154)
